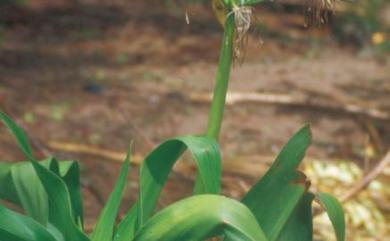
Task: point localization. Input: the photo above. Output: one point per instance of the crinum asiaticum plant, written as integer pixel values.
(277, 208)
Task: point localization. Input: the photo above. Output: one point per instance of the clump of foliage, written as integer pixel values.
(1, 34)
(362, 24)
(277, 208)
(12, 2)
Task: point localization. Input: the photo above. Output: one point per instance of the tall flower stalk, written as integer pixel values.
(229, 14)
(222, 80)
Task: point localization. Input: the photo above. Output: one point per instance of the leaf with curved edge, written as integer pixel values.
(273, 199)
(29, 190)
(335, 213)
(299, 226)
(127, 227)
(7, 188)
(20, 185)
(200, 217)
(19, 134)
(23, 186)
(158, 164)
(60, 207)
(155, 170)
(16, 227)
(104, 228)
(70, 174)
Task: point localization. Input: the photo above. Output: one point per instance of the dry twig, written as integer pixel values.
(252, 167)
(297, 101)
(92, 150)
(365, 181)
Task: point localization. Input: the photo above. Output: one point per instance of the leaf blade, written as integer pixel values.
(202, 216)
(16, 227)
(19, 134)
(155, 171)
(70, 174)
(30, 192)
(20, 185)
(299, 226)
(335, 213)
(60, 207)
(267, 199)
(104, 229)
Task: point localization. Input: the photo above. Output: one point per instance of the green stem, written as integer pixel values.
(242, 2)
(222, 80)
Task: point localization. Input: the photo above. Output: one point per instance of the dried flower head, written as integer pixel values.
(243, 20)
(319, 12)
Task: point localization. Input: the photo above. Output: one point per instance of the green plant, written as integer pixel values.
(359, 24)
(277, 208)
(13, 2)
(1, 34)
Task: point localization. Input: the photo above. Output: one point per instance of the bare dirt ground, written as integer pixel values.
(105, 74)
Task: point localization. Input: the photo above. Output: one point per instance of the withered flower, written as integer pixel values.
(319, 12)
(243, 20)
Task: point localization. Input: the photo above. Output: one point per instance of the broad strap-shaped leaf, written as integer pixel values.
(159, 163)
(16, 227)
(19, 133)
(70, 174)
(30, 192)
(156, 169)
(7, 188)
(104, 229)
(127, 227)
(60, 206)
(200, 217)
(20, 185)
(273, 199)
(299, 226)
(335, 213)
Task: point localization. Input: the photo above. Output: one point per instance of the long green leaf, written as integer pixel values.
(16, 227)
(70, 174)
(30, 192)
(23, 186)
(335, 213)
(104, 229)
(158, 164)
(155, 171)
(20, 185)
(200, 217)
(7, 188)
(60, 207)
(299, 226)
(275, 196)
(127, 227)
(19, 133)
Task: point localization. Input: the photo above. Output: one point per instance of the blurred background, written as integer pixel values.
(84, 77)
